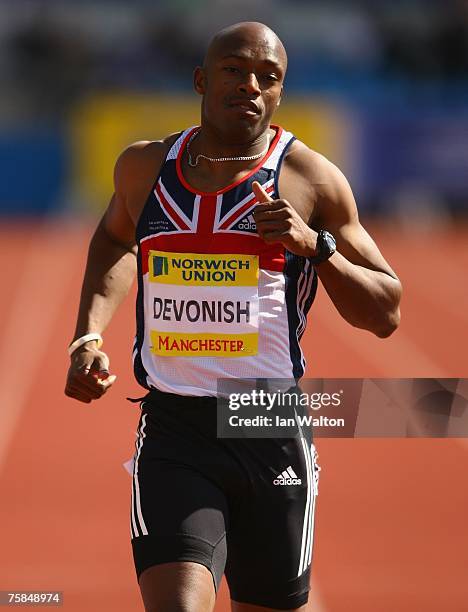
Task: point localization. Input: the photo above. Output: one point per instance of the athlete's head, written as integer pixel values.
(241, 80)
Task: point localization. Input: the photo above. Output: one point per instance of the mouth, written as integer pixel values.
(245, 106)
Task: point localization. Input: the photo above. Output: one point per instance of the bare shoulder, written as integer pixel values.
(139, 163)
(334, 207)
(325, 183)
(135, 173)
(314, 167)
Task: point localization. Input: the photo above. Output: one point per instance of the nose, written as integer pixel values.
(249, 85)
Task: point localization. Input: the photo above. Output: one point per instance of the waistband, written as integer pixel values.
(199, 412)
(155, 396)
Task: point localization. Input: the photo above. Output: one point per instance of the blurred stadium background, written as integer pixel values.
(381, 88)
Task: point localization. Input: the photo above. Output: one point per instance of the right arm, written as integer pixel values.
(111, 267)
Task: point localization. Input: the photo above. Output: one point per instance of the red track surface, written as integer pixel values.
(391, 520)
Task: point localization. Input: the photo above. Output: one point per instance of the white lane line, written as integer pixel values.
(398, 350)
(44, 277)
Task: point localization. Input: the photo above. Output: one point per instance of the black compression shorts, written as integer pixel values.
(242, 507)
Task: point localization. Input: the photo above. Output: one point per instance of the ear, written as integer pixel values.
(280, 98)
(199, 80)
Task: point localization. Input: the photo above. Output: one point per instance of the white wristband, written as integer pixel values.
(83, 340)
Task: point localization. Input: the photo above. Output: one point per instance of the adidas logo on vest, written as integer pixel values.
(248, 223)
(288, 477)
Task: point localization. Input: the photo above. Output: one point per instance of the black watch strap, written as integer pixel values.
(326, 246)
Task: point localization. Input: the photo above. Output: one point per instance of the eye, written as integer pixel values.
(231, 69)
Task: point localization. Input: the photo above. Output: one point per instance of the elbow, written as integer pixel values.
(381, 316)
(382, 325)
(391, 318)
(389, 325)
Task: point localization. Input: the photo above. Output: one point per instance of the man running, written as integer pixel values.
(228, 226)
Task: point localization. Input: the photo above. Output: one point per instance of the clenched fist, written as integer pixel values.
(278, 221)
(88, 376)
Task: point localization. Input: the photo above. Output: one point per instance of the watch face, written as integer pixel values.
(326, 246)
(330, 241)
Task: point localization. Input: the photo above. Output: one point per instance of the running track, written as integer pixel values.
(391, 529)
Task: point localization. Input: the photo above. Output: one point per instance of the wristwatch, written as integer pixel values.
(326, 246)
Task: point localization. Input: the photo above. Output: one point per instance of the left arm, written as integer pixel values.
(361, 284)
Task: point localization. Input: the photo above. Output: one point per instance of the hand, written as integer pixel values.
(88, 376)
(278, 221)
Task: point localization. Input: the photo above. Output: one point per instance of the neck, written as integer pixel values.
(194, 159)
(212, 143)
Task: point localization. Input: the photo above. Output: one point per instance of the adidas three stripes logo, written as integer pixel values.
(288, 477)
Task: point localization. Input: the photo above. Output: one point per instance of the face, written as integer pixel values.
(241, 84)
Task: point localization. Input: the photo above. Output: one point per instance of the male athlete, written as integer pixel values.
(228, 226)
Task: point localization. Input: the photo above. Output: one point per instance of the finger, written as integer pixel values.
(100, 375)
(91, 393)
(89, 375)
(105, 383)
(275, 205)
(84, 381)
(271, 237)
(268, 232)
(90, 383)
(272, 223)
(270, 215)
(100, 364)
(260, 193)
(74, 393)
(83, 364)
(96, 361)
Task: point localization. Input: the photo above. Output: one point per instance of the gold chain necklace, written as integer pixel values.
(193, 164)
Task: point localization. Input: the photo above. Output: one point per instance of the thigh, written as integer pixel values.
(177, 514)
(270, 541)
(176, 587)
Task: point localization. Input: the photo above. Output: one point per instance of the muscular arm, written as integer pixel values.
(111, 266)
(110, 270)
(360, 283)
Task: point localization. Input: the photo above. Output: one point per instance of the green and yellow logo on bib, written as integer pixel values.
(202, 270)
(203, 305)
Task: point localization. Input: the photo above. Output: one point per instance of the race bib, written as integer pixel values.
(202, 305)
